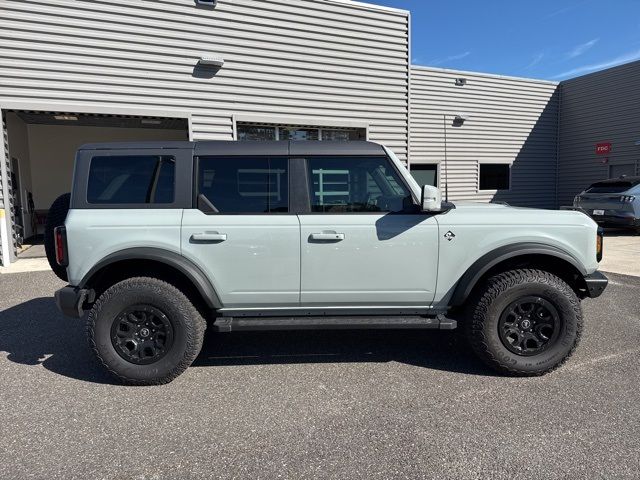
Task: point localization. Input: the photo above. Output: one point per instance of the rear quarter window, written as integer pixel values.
(120, 180)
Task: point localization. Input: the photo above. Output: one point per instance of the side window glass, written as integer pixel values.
(245, 184)
(356, 184)
(131, 179)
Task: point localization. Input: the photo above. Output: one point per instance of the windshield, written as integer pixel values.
(612, 187)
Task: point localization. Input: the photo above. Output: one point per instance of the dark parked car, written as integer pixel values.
(613, 203)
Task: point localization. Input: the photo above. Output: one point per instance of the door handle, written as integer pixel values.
(327, 237)
(209, 237)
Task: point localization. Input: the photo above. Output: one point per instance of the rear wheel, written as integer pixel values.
(55, 218)
(145, 331)
(524, 322)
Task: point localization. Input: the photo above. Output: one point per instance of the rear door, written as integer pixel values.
(242, 234)
(364, 240)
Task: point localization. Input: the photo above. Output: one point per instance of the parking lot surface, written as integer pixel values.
(316, 404)
(621, 252)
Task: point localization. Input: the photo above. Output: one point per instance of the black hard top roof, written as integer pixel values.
(632, 180)
(231, 148)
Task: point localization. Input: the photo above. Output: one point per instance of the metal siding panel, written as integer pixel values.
(288, 59)
(600, 107)
(512, 120)
(7, 241)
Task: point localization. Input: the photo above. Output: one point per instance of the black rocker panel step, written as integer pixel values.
(228, 324)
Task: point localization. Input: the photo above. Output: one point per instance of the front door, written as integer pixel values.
(243, 235)
(364, 243)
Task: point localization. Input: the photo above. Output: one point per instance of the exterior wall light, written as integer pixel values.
(215, 61)
(459, 120)
(207, 3)
(461, 82)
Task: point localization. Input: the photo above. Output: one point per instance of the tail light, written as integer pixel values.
(627, 198)
(60, 240)
(599, 243)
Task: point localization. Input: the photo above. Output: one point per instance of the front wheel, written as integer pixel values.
(524, 322)
(145, 331)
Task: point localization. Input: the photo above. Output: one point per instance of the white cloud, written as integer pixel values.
(450, 58)
(626, 58)
(560, 12)
(536, 60)
(563, 10)
(582, 48)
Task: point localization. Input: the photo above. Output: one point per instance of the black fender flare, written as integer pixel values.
(169, 258)
(481, 266)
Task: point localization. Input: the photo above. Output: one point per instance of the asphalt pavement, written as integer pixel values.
(343, 405)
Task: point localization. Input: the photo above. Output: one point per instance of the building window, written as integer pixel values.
(495, 176)
(131, 180)
(266, 132)
(425, 174)
(257, 133)
(330, 134)
(295, 133)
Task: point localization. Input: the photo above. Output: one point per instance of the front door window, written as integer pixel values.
(342, 185)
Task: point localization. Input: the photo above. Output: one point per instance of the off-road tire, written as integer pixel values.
(490, 301)
(188, 330)
(55, 218)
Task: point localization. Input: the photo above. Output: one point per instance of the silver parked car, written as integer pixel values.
(612, 203)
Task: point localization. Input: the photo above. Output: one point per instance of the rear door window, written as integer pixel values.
(131, 180)
(245, 184)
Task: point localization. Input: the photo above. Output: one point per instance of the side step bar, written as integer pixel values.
(236, 324)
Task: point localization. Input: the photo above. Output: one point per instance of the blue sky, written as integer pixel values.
(548, 39)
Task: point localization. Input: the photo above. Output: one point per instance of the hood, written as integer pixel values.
(469, 204)
(501, 214)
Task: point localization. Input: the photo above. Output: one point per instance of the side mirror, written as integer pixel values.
(431, 199)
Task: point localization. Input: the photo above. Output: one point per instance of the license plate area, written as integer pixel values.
(598, 212)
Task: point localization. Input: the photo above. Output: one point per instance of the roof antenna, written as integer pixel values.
(446, 170)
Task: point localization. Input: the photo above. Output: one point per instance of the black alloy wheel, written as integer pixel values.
(529, 326)
(142, 334)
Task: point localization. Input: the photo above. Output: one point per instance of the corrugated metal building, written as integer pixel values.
(73, 72)
(504, 150)
(601, 108)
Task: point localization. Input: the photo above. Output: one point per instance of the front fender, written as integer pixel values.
(485, 263)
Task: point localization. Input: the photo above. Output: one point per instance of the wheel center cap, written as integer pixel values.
(525, 323)
(144, 332)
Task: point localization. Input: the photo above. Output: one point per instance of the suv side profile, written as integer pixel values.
(160, 240)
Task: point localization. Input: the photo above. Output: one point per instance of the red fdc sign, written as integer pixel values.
(603, 148)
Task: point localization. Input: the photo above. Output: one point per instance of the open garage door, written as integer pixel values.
(40, 151)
